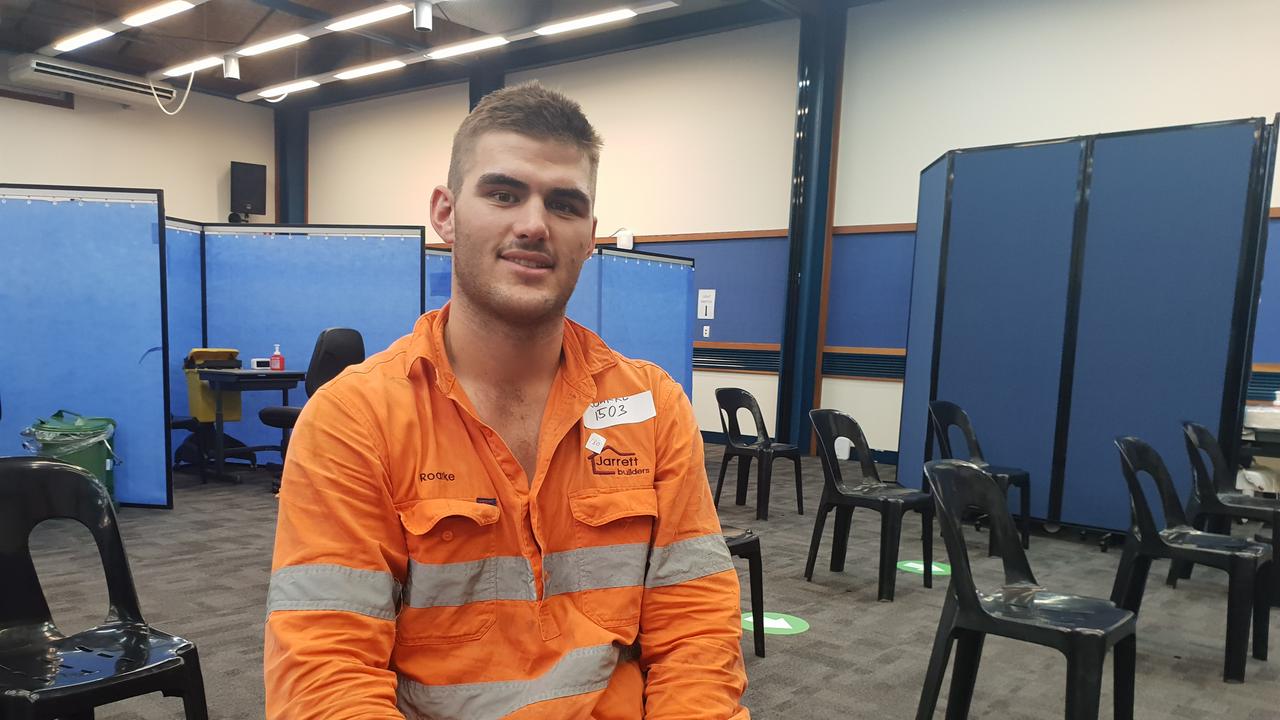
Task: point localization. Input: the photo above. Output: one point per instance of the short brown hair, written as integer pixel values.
(527, 109)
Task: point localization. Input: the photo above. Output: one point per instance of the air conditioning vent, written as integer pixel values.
(54, 74)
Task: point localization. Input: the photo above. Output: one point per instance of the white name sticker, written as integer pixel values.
(619, 411)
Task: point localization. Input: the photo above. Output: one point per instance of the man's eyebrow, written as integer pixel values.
(502, 180)
(573, 194)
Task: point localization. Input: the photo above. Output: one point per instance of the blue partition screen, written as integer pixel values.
(182, 267)
(439, 278)
(584, 304)
(81, 306)
(648, 310)
(285, 287)
(1008, 267)
(930, 213)
(1167, 214)
(1266, 339)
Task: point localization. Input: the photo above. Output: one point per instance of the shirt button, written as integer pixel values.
(447, 535)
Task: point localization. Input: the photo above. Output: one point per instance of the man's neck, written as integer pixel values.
(491, 351)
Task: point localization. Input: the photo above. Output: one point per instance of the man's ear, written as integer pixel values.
(442, 213)
(592, 247)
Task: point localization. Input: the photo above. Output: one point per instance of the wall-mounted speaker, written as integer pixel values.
(248, 188)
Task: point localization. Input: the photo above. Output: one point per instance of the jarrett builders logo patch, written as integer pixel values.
(611, 461)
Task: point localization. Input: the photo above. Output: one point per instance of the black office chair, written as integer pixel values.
(762, 449)
(945, 415)
(1214, 495)
(1081, 628)
(336, 349)
(890, 499)
(1247, 563)
(45, 674)
(746, 544)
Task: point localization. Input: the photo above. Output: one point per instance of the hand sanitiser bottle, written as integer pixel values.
(277, 360)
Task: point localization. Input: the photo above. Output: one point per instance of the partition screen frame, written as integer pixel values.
(72, 191)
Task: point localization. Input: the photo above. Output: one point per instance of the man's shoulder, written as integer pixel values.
(628, 373)
(380, 373)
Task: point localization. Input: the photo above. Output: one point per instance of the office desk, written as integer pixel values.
(244, 381)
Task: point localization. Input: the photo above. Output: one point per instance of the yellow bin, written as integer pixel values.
(200, 397)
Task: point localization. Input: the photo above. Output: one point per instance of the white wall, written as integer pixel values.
(378, 161)
(875, 404)
(698, 134)
(100, 143)
(925, 76)
(705, 409)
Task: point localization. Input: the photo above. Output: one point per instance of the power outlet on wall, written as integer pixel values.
(706, 331)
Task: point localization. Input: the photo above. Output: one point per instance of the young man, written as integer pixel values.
(498, 516)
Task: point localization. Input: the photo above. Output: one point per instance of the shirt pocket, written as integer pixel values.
(613, 528)
(452, 575)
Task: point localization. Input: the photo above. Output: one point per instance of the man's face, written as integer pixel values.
(521, 226)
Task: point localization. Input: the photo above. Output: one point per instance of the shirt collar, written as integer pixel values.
(583, 355)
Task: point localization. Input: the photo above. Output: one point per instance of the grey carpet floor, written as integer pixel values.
(202, 571)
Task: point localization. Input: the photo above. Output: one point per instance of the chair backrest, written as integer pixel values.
(1207, 484)
(831, 425)
(731, 400)
(1137, 457)
(943, 416)
(33, 490)
(336, 349)
(958, 485)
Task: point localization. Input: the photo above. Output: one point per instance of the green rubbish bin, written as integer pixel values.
(76, 440)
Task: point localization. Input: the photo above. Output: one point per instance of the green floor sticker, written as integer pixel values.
(776, 624)
(916, 567)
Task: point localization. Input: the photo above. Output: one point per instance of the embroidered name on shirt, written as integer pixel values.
(444, 476)
(623, 410)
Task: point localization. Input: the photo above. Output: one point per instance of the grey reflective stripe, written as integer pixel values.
(688, 560)
(333, 587)
(452, 584)
(594, 568)
(580, 671)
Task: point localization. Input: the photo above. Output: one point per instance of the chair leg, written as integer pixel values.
(926, 540)
(799, 487)
(890, 536)
(1084, 679)
(1024, 522)
(1124, 665)
(193, 701)
(764, 479)
(744, 474)
(1275, 558)
(964, 673)
(1131, 577)
(724, 467)
(1262, 609)
(840, 540)
(1239, 612)
(818, 523)
(757, 599)
(938, 660)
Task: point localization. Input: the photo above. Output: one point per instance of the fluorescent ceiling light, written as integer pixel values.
(157, 12)
(79, 40)
(372, 16)
(373, 69)
(193, 66)
(586, 22)
(288, 88)
(467, 47)
(275, 44)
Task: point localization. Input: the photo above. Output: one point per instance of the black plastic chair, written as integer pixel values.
(336, 349)
(1214, 495)
(945, 415)
(1248, 564)
(1081, 628)
(45, 674)
(746, 544)
(890, 499)
(762, 449)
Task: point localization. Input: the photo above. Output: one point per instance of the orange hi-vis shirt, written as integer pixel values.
(417, 574)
